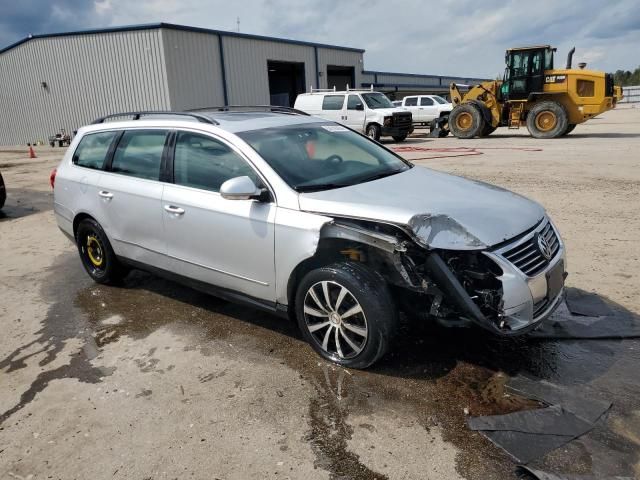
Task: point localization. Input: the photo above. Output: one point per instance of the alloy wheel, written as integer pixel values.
(335, 320)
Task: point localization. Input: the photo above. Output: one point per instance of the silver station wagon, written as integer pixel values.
(307, 219)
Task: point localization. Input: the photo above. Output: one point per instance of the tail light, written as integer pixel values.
(52, 177)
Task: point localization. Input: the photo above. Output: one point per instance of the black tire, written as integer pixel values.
(96, 254)
(487, 130)
(569, 129)
(400, 138)
(376, 316)
(465, 121)
(547, 119)
(444, 132)
(373, 132)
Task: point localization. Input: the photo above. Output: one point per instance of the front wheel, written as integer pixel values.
(399, 138)
(465, 121)
(547, 119)
(346, 313)
(373, 132)
(97, 256)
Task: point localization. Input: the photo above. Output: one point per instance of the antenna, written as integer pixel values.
(238, 24)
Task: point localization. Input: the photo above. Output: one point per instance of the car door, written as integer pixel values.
(428, 109)
(411, 105)
(226, 243)
(333, 108)
(130, 195)
(355, 114)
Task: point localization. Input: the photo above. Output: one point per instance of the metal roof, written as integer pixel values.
(172, 26)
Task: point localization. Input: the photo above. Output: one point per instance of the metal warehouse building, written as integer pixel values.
(65, 80)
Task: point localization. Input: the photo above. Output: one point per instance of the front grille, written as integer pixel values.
(402, 120)
(527, 256)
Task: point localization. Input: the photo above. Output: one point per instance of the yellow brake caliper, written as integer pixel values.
(94, 250)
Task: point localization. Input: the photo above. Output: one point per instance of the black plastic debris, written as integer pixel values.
(588, 304)
(578, 400)
(530, 434)
(564, 325)
(527, 473)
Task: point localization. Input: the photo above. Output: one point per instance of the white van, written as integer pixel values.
(426, 108)
(365, 111)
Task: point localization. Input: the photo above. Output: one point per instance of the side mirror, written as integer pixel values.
(240, 188)
(359, 106)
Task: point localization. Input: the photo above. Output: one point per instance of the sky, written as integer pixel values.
(444, 37)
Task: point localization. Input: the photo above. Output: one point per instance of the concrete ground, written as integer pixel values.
(153, 380)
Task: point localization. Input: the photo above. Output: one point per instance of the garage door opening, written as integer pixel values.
(340, 77)
(286, 81)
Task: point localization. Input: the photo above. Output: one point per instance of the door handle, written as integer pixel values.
(105, 194)
(174, 210)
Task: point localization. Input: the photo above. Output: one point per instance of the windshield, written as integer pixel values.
(377, 100)
(439, 99)
(321, 156)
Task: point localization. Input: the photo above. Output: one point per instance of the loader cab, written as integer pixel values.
(524, 72)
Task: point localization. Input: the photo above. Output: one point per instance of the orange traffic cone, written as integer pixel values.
(32, 154)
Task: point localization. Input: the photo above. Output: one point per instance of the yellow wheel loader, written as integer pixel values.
(549, 102)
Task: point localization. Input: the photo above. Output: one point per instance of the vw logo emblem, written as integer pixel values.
(544, 247)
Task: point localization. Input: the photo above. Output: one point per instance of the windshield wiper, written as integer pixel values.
(318, 186)
(377, 176)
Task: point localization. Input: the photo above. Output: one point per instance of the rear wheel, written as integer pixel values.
(346, 313)
(569, 129)
(373, 132)
(465, 121)
(547, 119)
(96, 253)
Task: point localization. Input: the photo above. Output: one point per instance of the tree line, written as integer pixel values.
(627, 78)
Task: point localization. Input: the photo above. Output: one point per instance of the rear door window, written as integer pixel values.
(426, 102)
(206, 163)
(411, 102)
(333, 102)
(139, 154)
(93, 149)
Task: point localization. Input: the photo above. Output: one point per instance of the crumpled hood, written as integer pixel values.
(443, 211)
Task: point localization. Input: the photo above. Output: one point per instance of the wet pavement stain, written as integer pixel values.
(432, 375)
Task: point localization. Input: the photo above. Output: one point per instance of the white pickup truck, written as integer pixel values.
(425, 108)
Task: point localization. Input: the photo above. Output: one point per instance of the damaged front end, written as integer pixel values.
(467, 282)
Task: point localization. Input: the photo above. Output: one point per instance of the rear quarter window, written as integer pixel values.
(93, 149)
(333, 102)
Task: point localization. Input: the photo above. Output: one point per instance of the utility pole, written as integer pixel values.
(238, 23)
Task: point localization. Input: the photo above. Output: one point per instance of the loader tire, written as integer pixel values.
(569, 129)
(465, 121)
(547, 119)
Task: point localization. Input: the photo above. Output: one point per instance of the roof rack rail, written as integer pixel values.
(324, 90)
(251, 108)
(137, 115)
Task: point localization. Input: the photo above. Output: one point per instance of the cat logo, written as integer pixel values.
(555, 78)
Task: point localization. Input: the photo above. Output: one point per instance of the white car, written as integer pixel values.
(426, 108)
(368, 112)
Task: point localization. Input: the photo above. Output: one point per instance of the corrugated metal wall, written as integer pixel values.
(246, 67)
(341, 58)
(194, 72)
(86, 75)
